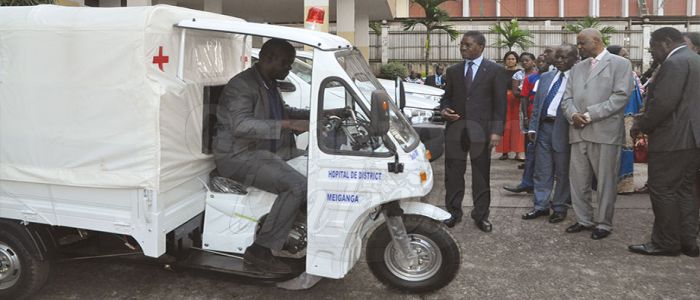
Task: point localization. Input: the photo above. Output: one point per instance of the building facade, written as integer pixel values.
(556, 8)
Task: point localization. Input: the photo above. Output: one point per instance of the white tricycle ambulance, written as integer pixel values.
(106, 123)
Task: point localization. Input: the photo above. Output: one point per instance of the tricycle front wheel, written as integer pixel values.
(438, 256)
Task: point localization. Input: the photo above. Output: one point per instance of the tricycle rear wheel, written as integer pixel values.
(438, 252)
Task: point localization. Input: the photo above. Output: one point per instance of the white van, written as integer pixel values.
(106, 121)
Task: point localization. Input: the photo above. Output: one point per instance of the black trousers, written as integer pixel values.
(462, 138)
(671, 178)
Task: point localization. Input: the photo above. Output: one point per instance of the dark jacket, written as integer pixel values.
(430, 80)
(485, 102)
(672, 110)
(243, 120)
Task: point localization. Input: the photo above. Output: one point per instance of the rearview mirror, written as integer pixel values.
(379, 113)
(286, 86)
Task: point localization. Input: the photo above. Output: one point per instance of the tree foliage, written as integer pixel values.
(433, 21)
(510, 34)
(393, 70)
(591, 22)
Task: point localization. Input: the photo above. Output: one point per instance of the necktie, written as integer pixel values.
(437, 79)
(594, 62)
(468, 77)
(550, 95)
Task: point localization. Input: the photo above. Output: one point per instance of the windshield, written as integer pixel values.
(357, 69)
(302, 69)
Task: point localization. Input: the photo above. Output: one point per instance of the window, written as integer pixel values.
(345, 125)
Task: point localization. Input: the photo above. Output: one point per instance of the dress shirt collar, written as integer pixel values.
(477, 61)
(566, 73)
(601, 55)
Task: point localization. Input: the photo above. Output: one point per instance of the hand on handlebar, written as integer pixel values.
(296, 125)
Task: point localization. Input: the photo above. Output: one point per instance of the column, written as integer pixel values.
(561, 8)
(322, 4)
(465, 8)
(646, 56)
(498, 8)
(594, 8)
(659, 7)
(530, 8)
(138, 2)
(345, 20)
(625, 8)
(362, 28)
(215, 6)
(402, 8)
(110, 3)
(385, 42)
(692, 7)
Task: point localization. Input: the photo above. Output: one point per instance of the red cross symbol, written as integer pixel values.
(160, 59)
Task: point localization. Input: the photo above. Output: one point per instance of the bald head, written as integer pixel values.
(590, 42)
(592, 33)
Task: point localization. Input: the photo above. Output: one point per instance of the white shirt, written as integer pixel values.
(552, 109)
(601, 55)
(477, 62)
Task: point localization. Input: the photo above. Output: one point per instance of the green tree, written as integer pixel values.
(510, 34)
(433, 21)
(24, 2)
(591, 22)
(393, 70)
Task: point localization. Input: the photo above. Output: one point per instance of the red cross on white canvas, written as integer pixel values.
(160, 59)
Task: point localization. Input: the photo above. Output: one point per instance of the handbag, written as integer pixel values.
(641, 149)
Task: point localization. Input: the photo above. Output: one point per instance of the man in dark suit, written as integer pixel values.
(549, 130)
(255, 135)
(474, 105)
(672, 121)
(437, 80)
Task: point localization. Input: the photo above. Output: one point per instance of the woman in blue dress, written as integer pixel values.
(625, 183)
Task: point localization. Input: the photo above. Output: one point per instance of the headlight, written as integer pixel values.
(418, 115)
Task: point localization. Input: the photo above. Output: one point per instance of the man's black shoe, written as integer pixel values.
(651, 249)
(484, 225)
(262, 258)
(534, 214)
(519, 189)
(452, 221)
(691, 250)
(599, 233)
(577, 227)
(557, 217)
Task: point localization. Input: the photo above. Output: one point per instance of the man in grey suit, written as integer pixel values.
(255, 135)
(596, 95)
(672, 121)
(549, 130)
(474, 105)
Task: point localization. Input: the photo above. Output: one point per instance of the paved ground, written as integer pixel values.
(518, 260)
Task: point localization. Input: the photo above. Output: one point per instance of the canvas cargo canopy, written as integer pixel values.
(89, 96)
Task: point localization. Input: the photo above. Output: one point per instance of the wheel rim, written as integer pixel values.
(429, 259)
(10, 267)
